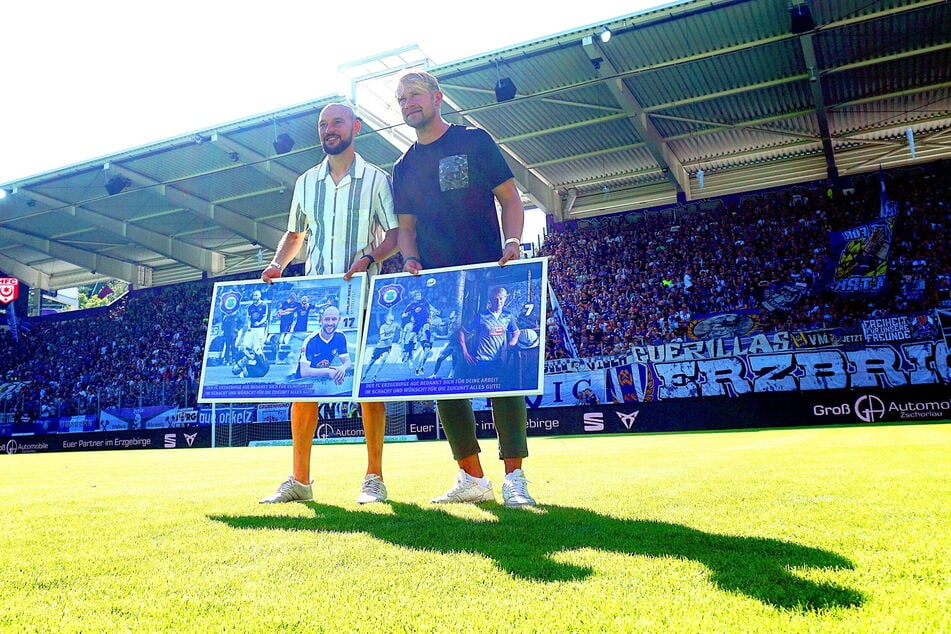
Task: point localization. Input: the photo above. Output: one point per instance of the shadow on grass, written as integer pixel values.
(521, 543)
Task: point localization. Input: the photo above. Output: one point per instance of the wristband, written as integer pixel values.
(369, 257)
(275, 265)
(413, 258)
(514, 241)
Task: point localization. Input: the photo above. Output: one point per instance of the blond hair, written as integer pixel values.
(419, 78)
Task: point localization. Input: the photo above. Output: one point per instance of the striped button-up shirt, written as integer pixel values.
(344, 219)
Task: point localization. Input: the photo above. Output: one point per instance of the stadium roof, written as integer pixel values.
(753, 93)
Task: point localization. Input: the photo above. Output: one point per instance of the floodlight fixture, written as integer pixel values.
(116, 184)
(800, 18)
(505, 89)
(604, 34)
(504, 86)
(283, 143)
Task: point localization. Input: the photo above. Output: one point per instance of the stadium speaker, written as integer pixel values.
(504, 89)
(801, 19)
(283, 143)
(116, 184)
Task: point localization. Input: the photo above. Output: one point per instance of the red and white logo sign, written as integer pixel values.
(9, 289)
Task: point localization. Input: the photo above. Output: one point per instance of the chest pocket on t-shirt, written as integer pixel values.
(453, 172)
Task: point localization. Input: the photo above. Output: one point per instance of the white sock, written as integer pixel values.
(511, 476)
(483, 481)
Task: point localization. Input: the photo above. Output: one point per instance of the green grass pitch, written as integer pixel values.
(839, 529)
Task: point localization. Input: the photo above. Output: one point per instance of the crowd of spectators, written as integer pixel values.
(641, 278)
(145, 349)
(632, 279)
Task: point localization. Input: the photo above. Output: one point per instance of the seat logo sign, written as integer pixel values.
(593, 421)
(869, 408)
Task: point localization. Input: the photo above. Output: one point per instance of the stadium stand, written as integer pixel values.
(640, 278)
(629, 279)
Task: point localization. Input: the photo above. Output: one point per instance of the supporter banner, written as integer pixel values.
(859, 259)
(809, 339)
(153, 417)
(293, 340)
(715, 348)
(924, 325)
(456, 332)
(901, 328)
(781, 298)
(576, 388)
(944, 321)
(11, 389)
(631, 383)
(887, 329)
(227, 415)
(732, 324)
(98, 441)
(175, 417)
(65, 424)
(895, 365)
(275, 412)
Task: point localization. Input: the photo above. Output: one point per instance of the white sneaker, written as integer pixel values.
(466, 491)
(290, 491)
(515, 490)
(373, 490)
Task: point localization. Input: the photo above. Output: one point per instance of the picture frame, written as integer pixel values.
(269, 343)
(411, 347)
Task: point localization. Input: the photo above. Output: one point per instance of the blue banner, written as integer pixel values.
(859, 259)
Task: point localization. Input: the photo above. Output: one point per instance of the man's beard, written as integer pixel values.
(340, 147)
(421, 119)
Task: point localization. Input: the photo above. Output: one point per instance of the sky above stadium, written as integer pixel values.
(83, 80)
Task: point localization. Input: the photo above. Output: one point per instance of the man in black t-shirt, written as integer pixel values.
(445, 188)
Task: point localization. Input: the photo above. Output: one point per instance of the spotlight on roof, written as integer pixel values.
(505, 89)
(800, 17)
(604, 34)
(116, 184)
(283, 143)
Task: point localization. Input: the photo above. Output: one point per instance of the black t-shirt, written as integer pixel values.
(447, 185)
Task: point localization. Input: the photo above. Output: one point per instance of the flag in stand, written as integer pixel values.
(9, 292)
(887, 209)
(105, 292)
(12, 321)
(569, 343)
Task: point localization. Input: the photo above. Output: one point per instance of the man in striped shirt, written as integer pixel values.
(346, 204)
